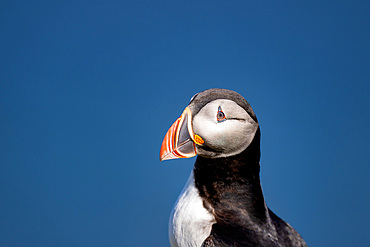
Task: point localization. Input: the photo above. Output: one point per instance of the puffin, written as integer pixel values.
(222, 203)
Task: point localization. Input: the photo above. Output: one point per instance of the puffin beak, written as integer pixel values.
(177, 142)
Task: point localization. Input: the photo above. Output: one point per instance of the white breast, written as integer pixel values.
(190, 222)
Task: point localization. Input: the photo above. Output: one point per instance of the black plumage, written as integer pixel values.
(231, 189)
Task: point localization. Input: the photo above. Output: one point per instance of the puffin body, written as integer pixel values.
(222, 203)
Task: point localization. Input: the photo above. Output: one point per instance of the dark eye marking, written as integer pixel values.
(220, 115)
(235, 118)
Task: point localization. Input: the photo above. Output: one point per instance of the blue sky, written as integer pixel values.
(89, 88)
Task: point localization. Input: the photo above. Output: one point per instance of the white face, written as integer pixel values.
(228, 137)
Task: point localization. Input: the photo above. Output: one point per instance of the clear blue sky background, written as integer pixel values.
(89, 88)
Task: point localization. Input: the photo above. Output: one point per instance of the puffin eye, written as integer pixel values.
(220, 115)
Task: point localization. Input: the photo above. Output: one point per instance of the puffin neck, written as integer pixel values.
(231, 187)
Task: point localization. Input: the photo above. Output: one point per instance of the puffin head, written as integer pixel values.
(216, 123)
